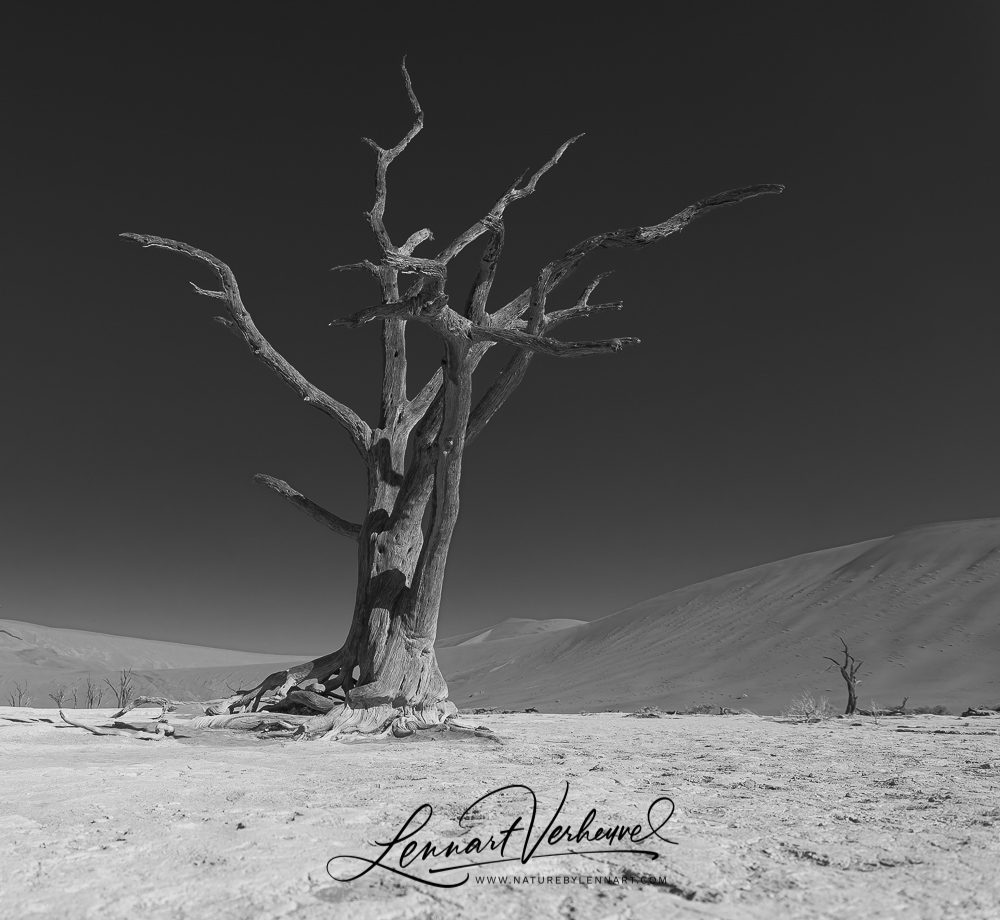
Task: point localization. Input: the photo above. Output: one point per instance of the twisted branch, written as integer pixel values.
(359, 431)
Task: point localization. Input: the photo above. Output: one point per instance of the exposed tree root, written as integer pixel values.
(288, 702)
(343, 723)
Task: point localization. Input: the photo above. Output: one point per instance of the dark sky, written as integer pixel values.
(816, 368)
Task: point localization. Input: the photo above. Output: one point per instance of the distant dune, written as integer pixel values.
(921, 609)
(76, 649)
(47, 657)
(511, 628)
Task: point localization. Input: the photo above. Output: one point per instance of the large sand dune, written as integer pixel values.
(922, 609)
(511, 628)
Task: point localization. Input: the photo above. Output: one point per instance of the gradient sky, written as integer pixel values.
(816, 369)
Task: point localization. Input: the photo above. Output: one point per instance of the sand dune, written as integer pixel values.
(511, 628)
(921, 609)
(75, 649)
(44, 658)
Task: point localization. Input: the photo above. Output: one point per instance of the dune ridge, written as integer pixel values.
(921, 608)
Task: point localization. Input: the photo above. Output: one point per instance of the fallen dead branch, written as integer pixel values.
(165, 704)
(150, 731)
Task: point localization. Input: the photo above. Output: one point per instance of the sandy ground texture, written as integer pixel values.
(845, 818)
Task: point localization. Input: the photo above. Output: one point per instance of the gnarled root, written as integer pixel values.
(305, 676)
(344, 723)
(364, 713)
(384, 721)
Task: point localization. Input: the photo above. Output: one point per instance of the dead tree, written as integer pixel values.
(95, 694)
(386, 667)
(849, 670)
(19, 695)
(123, 692)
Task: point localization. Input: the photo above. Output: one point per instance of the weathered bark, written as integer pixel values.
(384, 679)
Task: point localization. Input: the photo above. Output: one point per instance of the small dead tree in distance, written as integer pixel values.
(19, 695)
(123, 692)
(849, 670)
(95, 693)
(401, 558)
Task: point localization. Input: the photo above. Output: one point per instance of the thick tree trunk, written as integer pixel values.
(386, 668)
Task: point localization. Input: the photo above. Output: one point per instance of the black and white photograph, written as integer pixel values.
(511, 461)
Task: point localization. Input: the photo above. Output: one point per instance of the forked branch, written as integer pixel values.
(377, 214)
(357, 428)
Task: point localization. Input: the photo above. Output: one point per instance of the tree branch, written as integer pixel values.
(393, 330)
(316, 512)
(545, 346)
(633, 238)
(513, 372)
(532, 301)
(475, 307)
(582, 307)
(418, 406)
(367, 266)
(385, 157)
(513, 193)
(427, 301)
(358, 430)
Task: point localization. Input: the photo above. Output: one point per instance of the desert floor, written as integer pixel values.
(846, 818)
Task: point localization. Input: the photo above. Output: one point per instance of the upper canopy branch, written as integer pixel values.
(532, 300)
(356, 427)
(377, 214)
(582, 307)
(543, 345)
(491, 220)
(632, 238)
(435, 312)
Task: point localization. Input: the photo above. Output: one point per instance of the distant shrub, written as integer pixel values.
(929, 711)
(807, 709)
(699, 709)
(647, 712)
